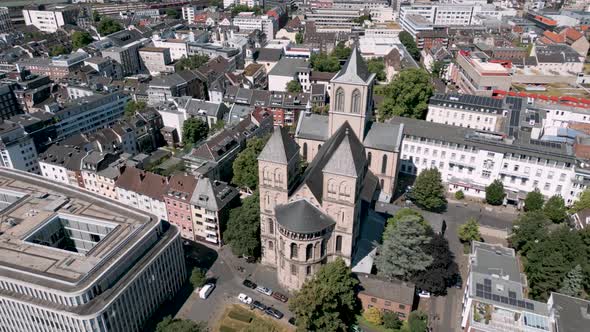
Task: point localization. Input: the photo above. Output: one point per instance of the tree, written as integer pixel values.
(243, 228)
(495, 193)
(417, 322)
(459, 195)
(172, 13)
(341, 51)
(555, 209)
(527, 230)
(469, 231)
(373, 316)
(573, 282)
(170, 324)
(58, 50)
(294, 86)
(245, 166)
(219, 125)
(81, 39)
(325, 63)
(443, 269)
(582, 203)
(194, 130)
(534, 201)
(377, 67)
(236, 9)
(198, 278)
(327, 301)
(428, 191)
(299, 38)
(407, 95)
(192, 62)
(437, 68)
(133, 107)
(95, 16)
(361, 19)
(402, 213)
(410, 44)
(107, 25)
(391, 321)
(401, 254)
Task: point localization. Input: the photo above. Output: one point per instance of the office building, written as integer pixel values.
(474, 74)
(156, 60)
(73, 261)
(50, 18)
(5, 21)
(17, 148)
(9, 105)
(248, 21)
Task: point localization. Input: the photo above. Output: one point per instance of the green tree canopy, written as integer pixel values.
(534, 201)
(294, 86)
(443, 269)
(299, 38)
(469, 231)
(495, 193)
(429, 192)
(527, 229)
(243, 228)
(192, 62)
(391, 321)
(401, 254)
(373, 315)
(377, 67)
(407, 95)
(402, 213)
(194, 130)
(417, 322)
(573, 282)
(245, 166)
(58, 50)
(170, 324)
(361, 19)
(323, 62)
(410, 44)
(341, 52)
(582, 203)
(236, 9)
(133, 107)
(327, 301)
(198, 278)
(95, 16)
(172, 13)
(107, 25)
(437, 68)
(555, 209)
(81, 39)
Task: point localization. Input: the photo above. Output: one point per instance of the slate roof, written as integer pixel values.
(64, 156)
(212, 195)
(314, 174)
(355, 70)
(280, 148)
(343, 160)
(302, 217)
(557, 53)
(289, 67)
(571, 314)
(142, 182)
(384, 136)
(312, 126)
(269, 54)
(396, 291)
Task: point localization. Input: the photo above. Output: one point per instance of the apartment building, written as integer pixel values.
(9, 105)
(474, 74)
(115, 261)
(455, 14)
(62, 163)
(5, 21)
(469, 111)
(178, 203)
(210, 204)
(123, 47)
(17, 148)
(178, 47)
(156, 60)
(333, 19)
(56, 67)
(50, 18)
(100, 171)
(143, 190)
(185, 83)
(188, 13)
(287, 70)
(248, 21)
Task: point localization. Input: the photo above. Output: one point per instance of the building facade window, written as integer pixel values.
(338, 243)
(384, 164)
(339, 102)
(369, 157)
(356, 101)
(304, 150)
(293, 250)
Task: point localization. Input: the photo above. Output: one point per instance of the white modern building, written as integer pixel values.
(178, 47)
(248, 21)
(17, 149)
(50, 18)
(469, 111)
(75, 261)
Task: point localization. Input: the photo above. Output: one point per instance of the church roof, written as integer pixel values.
(329, 158)
(312, 126)
(354, 71)
(384, 136)
(280, 148)
(302, 217)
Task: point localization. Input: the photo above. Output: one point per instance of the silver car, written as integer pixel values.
(264, 290)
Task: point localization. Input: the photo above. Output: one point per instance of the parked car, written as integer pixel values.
(458, 282)
(264, 290)
(424, 294)
(244, 298)
(249, 284)
(259, 305)
(274, 313)
(206, 290)
(279, 296)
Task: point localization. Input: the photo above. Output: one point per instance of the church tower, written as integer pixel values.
(351, 96)
(278, 166)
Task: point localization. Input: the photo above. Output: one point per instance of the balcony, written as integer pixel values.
(210, 222)
(212, 239)
(211, 231)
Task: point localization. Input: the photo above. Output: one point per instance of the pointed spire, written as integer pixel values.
(280, 147)
(355, 69)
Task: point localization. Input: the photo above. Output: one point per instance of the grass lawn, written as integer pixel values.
(362, 321)
(237, 317)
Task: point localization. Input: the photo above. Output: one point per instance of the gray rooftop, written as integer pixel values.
(302, 217)
(571, 314)
(384, 136)
(289, 67)
(396, 291)
(280, 148)
(312, 126)
(354, 71)
(212, 194)
(344, 161)
(468, 102)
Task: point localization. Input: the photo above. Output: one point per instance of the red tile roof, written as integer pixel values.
(552, 36)
(572, 34)
(142, 182)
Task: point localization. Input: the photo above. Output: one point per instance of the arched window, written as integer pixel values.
(384, 164)
(309, 252)
(338, 243)
(332, 186)
(308, 270)
(382, 184)
(293, 250)
(270, 245)
(319, 147)
(278, 178)
(305, 151)
(271, 226)
(339, 102)
(344, 189)
(323, 248)
(355, 106)
(369, 158)
(267, 201)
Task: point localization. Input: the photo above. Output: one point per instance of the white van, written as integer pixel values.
(206, 290)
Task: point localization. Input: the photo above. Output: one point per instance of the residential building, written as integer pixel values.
(103, 267)
(473, 74)
(143, 190)
(9, 105)
(61, 163)
(396, 297)
(156, 60)
(57, 67)
(581, 219)
(482, 113)
(248, 21)
(29, 89)
(288, 70)
(569, 36)
(185, 83)
(178, 47)
(100, 171)
(452, 14)
(5, 21)
(210, 204)
(17, 148)
(268, 57)
(188, 13)
(178, 203)
(567, 313)
(255, 73)
(123, 47)
(50, 18)
(351, 99)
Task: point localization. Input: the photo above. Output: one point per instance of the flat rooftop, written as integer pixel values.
(57, 236)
